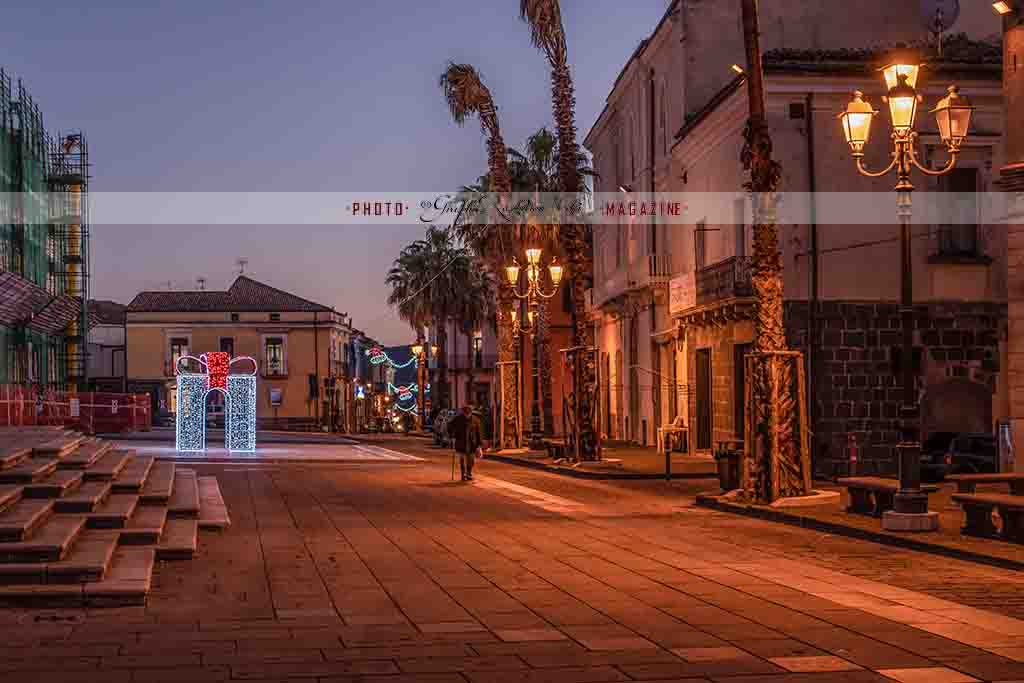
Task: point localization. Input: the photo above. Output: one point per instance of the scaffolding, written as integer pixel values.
(44, 237)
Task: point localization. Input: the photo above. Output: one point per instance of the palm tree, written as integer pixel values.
(428, 281)
(466, 95)
(548, 34)
(476, 308)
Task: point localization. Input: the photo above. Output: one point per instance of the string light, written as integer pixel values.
(379, 356)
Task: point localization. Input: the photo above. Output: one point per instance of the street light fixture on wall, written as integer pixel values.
(953, 119)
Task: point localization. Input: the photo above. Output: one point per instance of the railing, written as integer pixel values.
(726, 279)
(91, 412)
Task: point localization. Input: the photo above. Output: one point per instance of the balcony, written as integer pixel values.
(644, 272)
(728, 279)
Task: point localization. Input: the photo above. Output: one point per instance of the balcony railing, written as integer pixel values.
(644, 271)
(726, 279)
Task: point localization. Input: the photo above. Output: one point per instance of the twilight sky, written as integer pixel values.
(338, 96)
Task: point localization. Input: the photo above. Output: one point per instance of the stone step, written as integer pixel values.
(133, 477)
(19, 521)
(114, 512)
(145, 526)
(110, 465)
(184, 500)
(28, 471)
(9, 495)
(58, 446)
(58, 484)
(85, 498)
(48, 543)
(179, 540)
(127, 581)
(213, 513)
(87, 560)
(159, 483)
(86, 454)
(13, 454)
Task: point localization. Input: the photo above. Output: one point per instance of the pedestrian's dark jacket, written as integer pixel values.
(466, 432)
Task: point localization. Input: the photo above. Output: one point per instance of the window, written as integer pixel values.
(273, 359)
(275, 317)
(227, 345)
(179, 348)
(740, 221)
(234, 317)
(478, 350)
(700, 245)
(704, 397)
(959, 237)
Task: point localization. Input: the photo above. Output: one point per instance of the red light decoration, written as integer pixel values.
(217, 363)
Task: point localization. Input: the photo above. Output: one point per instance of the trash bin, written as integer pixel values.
(728, 469)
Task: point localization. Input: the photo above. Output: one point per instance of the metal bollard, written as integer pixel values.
(851, 447)
(666, 445)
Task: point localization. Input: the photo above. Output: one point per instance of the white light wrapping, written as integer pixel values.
(191, 419)
(240, 422)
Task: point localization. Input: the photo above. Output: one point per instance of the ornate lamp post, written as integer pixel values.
(953, 117)
(533, 295)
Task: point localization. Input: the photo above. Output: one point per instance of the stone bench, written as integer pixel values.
(555, 448)
(968, 483)
(978, 508)
(874, 495)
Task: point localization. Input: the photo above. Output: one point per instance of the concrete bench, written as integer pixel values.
(978, 509)
(968, 483)
(874, 495)
(555, 448)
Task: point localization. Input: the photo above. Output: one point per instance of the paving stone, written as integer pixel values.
(114, 512)
(109, 466)
(597, 674)
(133, 477)
(19, 521)
(86, 498)
(319, 670)
(184, 501)
(446, 664)
(813, 664)
(710, 654)
(530, 635)
(928, 675)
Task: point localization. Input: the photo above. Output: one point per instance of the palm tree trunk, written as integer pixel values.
(544, 368)
(775, 461)
(442, 366)
(508, 376)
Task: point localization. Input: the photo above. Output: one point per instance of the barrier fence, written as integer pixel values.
(90, 412)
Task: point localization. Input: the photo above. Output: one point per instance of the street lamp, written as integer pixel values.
(953, 118)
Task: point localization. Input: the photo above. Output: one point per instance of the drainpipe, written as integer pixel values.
(812, 312)
(653, 258)
(316, 365)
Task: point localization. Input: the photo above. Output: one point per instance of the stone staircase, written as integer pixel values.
(83, 523)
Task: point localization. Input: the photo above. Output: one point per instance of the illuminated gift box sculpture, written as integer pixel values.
(238, 390)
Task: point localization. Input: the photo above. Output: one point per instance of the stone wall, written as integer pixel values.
(856, 388)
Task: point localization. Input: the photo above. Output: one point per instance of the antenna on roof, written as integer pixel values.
(938, 16)
(169, 286)
(242, 263)
(201, 281)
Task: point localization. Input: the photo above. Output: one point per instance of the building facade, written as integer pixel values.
(106, 346)
(673, 123)
(299, 347)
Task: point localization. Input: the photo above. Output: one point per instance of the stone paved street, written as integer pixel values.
(388, 571)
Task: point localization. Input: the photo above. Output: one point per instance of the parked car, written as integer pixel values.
(441, 421)
(945, 453)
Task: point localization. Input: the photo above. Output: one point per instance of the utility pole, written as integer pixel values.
(1012, 182)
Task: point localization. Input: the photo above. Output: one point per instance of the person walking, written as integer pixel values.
(466, 432)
